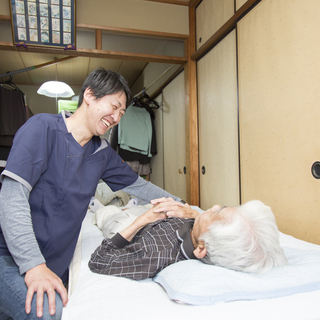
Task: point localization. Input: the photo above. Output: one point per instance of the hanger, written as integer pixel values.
(10, 85)
(143, 99)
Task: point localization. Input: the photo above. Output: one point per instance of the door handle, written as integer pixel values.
(315, 169)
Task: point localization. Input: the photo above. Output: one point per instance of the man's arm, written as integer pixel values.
(147, 191)
(130, 261)
(118, 257)
(140, 222)
(16, 225)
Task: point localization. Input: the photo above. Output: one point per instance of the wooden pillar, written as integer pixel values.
(98, 39)
(193, 114)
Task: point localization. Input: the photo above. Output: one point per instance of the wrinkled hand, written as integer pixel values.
(174, 208)
(140, 222)
(165, 200)
(41, 279)
(150, 216)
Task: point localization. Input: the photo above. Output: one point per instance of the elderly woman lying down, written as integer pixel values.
(243, 238)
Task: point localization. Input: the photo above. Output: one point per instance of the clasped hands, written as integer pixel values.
(173, 208)
(162, 208)
(165, 208)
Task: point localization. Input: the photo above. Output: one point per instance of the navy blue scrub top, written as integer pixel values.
(61, 176)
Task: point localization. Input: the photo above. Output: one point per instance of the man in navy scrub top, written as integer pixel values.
(52, 172)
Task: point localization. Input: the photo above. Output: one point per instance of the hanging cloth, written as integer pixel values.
(135, 131)
(145, 105)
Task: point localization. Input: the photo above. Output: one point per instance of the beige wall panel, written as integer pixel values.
(174, 137)
(218, 125)
(240, 3)
(86, 39)
(141, 44)
(5, 8)
(134, 14)
(6, 33)
(279, 76)
(210, 17)
(156, 163)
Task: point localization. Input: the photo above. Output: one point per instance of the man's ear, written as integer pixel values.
(200, 251)
(87, 95)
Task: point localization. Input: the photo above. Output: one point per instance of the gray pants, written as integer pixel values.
(111, 219)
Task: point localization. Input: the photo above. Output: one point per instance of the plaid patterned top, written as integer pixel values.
(154, 247)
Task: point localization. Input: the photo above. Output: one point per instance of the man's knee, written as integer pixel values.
(13, 292)
(46, 314)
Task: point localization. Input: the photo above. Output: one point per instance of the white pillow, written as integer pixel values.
(193, 282)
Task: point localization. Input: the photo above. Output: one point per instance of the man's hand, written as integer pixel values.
(140, 222)
(40, 279)
(174, 208)
(148, 217)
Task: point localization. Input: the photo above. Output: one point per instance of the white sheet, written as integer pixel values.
(105, 297)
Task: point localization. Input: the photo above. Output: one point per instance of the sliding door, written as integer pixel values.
(279, 77)
(174, 137)
(218, 125)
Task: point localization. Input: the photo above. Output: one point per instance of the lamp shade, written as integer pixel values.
(55, 89)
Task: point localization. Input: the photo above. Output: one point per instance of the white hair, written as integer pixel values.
(245, 240)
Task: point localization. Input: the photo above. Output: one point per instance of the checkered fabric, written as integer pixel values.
(153, 248)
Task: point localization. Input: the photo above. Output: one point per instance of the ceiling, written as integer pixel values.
(82, 61)
(72, 71)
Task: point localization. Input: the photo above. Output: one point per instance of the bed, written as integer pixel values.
(181, 291)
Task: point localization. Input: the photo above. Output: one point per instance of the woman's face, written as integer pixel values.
(106, 112)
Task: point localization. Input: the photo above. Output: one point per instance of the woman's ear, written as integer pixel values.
(200, 251)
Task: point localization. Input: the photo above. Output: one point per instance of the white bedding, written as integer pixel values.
(93, 296)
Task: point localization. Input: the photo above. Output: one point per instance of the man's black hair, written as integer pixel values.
(103, 82)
